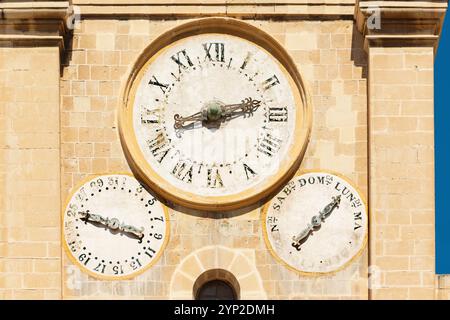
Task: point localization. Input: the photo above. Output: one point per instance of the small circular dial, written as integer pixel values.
(213, 119)
(113, 228)
(316, 224)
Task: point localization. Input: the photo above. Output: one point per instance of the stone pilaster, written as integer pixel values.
(31, 41)
(401, 144)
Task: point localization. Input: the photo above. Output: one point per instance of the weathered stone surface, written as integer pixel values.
(372, 122)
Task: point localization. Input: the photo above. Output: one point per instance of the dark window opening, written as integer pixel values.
(216, 290)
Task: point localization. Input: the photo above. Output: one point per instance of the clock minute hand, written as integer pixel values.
(316, 221)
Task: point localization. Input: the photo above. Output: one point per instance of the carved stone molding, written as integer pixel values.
(241, 9)
(401, 23)
(33, 23)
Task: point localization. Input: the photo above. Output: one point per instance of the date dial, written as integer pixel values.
(113, 228)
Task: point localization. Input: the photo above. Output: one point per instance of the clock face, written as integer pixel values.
(214, 118)
(113, 228)
(317, 224)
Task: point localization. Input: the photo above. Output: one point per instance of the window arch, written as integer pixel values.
(216, 284)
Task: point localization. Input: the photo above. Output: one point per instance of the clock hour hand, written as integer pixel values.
(316, 222)
(112, 224)
(179, 120)
(214, 111)
(247, 106)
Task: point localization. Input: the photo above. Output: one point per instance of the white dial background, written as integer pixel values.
(341, 235)
(213, 161)
(104, 252)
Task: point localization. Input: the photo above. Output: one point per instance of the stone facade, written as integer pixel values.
(372, 96)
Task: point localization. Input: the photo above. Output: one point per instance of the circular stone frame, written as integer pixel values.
(263, 218)
(76, 187)
(288, 166)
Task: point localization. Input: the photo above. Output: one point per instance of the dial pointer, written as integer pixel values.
(112, 224)
(215, 111)
(316, 222)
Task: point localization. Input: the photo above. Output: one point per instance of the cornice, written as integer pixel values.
(245, 9)
(34, 23)
(401, 23)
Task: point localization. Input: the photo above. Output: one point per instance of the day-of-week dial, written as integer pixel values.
(114, 228)
(317, 223)
(214, 114)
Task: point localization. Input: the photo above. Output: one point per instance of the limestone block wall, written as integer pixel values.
(402, 171)
(330, 56)
(372, 97)
(30, 251)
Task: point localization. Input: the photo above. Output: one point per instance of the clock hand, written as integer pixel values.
(113, 224)
(215, 111)
(316, 221)
(179, 120)
(247, 106)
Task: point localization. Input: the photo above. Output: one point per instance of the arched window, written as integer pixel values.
(216, 284)
(216, 290)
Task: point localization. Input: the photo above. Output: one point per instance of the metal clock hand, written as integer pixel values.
(247, 106)
(316, 221)
(113, 224)
(216, 110)
(179, 120)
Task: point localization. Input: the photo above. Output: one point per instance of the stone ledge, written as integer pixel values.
(31, 40)
(209, 2)
(27, 23)
(400, 41)
(264, 9)
(33, 10)
(402, 23)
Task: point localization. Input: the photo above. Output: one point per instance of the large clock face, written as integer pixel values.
(113, 228)
(317, 224)
(214, 118)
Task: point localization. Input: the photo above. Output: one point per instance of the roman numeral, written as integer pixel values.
(181, 172)
(155, 82)
(229, 63)
(179, 56)
(246, 60)
(269, 83)
(357, 216)
(278, 114)
(269, 145)
(219, 49)
(248, 171)
(159, 147)
(214, 180)
(149, 116)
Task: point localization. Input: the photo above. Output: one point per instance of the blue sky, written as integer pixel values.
(442, 153)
